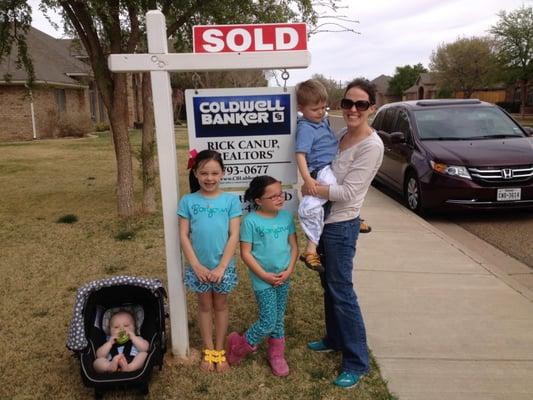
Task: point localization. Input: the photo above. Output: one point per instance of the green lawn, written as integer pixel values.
(43, 262)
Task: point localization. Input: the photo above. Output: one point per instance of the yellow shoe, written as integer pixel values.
(222, 364)
(208, 360)
(312, 261)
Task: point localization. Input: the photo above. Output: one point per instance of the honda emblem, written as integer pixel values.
(507, 173)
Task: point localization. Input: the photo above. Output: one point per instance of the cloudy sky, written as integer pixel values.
(391, 33)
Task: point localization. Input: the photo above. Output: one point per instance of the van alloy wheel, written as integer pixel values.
(412, 195)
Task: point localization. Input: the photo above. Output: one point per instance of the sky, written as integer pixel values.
(391, 33)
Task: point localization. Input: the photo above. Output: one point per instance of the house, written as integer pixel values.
(424, 88)
(64, 86)
(506, 95)
(382, 90)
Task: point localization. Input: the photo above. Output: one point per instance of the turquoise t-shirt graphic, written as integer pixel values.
(209, 220)
(269, 238)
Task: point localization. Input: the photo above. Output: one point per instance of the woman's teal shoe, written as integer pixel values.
(319, 346)
(347, 380)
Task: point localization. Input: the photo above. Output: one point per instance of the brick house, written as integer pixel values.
(425, 88)
(63, 86)
(382, 90)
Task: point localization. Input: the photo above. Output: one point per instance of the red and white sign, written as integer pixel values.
(249, 38)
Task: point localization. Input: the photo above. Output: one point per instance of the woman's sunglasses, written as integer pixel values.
(360, 105)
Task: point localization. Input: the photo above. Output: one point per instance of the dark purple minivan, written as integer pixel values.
(443, 154)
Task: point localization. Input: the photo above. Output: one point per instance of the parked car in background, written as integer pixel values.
(455, 154)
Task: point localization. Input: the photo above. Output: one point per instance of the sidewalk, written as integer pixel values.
(442, 322)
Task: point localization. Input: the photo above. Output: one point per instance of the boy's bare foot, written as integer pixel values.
(122, 362)
(364, 227)
(113, 365)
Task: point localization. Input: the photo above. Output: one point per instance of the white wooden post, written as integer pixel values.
(168, 172)
(159, 62)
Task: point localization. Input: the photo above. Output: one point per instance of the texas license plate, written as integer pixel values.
(508, 194)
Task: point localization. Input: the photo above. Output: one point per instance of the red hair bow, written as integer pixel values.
(192, 158)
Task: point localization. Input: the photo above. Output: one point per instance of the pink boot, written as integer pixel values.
(276, 357)
(238, 348)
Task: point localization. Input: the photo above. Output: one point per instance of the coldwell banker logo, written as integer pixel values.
(242, 115)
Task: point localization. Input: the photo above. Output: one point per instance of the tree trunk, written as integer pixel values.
(118, 118)
(523, 98)
(148, 147)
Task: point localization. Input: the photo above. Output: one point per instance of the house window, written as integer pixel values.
(61, 101)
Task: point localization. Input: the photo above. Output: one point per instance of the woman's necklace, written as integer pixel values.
(351, 139)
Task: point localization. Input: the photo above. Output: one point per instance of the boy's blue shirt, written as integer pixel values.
(317, 141)
(209, 221)
(269, 238)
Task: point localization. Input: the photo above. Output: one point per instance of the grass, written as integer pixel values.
(43, 263)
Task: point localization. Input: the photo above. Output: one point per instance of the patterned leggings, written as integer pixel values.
(272, 303)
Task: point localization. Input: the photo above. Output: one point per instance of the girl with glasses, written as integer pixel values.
(269, 249)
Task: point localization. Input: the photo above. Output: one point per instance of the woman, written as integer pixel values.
(359, 156)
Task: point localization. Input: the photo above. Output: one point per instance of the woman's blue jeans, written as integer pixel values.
(345, 328)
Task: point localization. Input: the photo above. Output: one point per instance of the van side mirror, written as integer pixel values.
(397, 137)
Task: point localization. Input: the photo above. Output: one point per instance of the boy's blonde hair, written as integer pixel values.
(311, 91)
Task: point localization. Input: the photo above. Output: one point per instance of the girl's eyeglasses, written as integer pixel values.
(275, 196)
(360, 105)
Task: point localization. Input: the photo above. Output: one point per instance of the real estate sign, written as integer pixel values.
(252, 128)
(249, 38)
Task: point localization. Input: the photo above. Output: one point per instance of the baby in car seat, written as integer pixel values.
(123, 350)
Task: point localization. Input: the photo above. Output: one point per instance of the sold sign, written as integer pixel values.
(249, 38)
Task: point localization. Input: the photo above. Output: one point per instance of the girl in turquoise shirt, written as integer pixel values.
(209, 222)
(269, 249)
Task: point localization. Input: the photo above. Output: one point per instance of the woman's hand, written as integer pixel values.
(203, 273)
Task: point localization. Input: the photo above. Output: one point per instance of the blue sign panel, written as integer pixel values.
(228, 116)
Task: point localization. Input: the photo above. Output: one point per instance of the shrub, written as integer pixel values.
(101, 127)
(125, 235)
(77, 125)
(67, 219)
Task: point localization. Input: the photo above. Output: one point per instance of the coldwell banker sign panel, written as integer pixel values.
(253, 129)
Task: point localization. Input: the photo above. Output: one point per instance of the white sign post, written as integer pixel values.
(159, 63)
